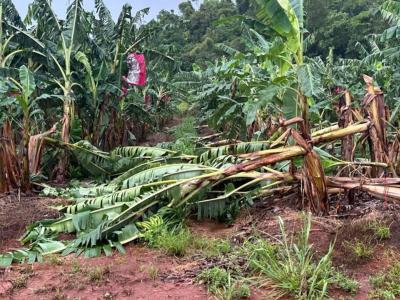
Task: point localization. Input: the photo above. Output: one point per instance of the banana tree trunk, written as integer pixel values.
(3, 177)
(374, 108)
(345, 120)
(10, 172)
(314, 184)
(25, 153)
(61, 171)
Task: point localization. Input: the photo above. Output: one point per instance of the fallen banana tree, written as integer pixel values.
(147, 180)
(106, 217)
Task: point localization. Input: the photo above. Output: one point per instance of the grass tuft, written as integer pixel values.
(174, 241)
(360, 249)
(289, 267)
(54, 260)
(220, 283)
(212, 247)
(380, 229)
(345, 283)
(97, 274)
(153, 272)
(20, 281)
(386, 285)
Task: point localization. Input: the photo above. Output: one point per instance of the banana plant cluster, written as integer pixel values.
(147, 181)
(77, 64)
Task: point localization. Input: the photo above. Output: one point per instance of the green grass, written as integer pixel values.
(174, 241)
(220, 283)
(288, 266)
(212, 247)
(386, 285)
(380, 229)
(360, 249)
(214, 278)
(345, 283)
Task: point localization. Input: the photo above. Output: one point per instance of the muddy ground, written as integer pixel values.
(144, 273)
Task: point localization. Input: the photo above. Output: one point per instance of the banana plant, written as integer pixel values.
(55, 34)
(286, 19)
(24, 89)
(6, 54)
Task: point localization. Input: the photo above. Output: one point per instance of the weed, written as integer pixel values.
(214, 278)
(290, 266)
(380, 229)
(153, 272)
(20, 281)
(234, 290)
(220, 283)
(54, 260)
(243, 291)
(98, 273)
(386, 285)
(59, 295)
(344, 282)
(212, 247)
(175, 243)
(185, 134)
(360, 249)
(75, 267)
(154, 227)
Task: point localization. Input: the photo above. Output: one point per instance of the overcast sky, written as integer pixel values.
(114, 6)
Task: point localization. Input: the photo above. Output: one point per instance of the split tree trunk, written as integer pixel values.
(374, 109)
(345, 120)
(61, 170)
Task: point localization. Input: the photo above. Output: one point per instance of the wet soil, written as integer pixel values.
(17, 212)
(143, 273)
